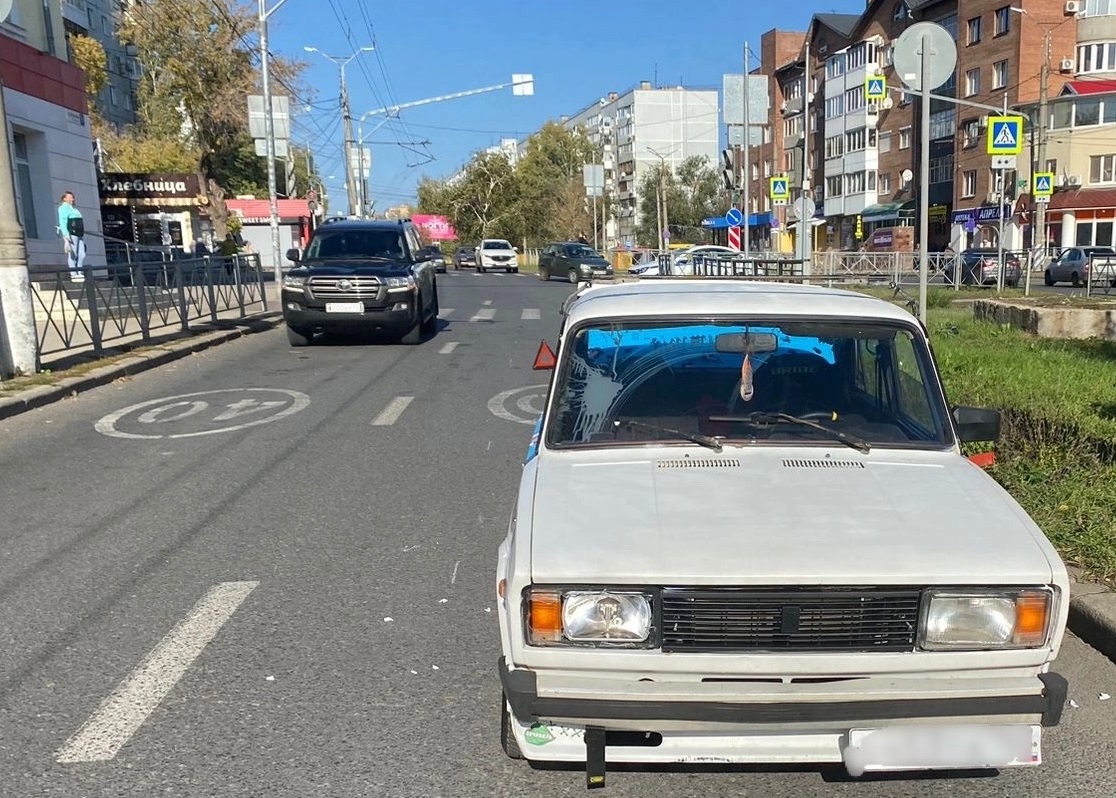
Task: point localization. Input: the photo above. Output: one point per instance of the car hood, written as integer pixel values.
(596, 263)
(779, 517)
(488, 253)
(351, 268)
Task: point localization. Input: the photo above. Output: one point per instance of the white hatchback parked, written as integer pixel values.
(745, 532)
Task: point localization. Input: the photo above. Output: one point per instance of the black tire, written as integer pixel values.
(413, 336)
(515, 270)
(509, 270)
(1048, 278)
(1075, 280)
(571, 275)
(430, 326)
(456, 266)
(296, 338)
(507, 739)
(480, 270)
(544, 275)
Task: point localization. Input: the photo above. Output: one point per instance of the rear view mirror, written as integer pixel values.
(976, 424)
(746, 343)
(293, 255)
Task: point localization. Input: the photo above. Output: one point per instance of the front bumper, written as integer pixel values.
(400, 315)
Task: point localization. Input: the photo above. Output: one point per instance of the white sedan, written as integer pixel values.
(745, 532)
(683, 262)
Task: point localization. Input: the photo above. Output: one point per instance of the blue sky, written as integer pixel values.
(577, 50)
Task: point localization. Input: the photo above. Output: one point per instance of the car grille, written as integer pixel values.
(344, 287)
(499, 258)
(832, 619)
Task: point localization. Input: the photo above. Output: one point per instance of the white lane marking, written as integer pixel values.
(123, 712)
(484, 314)
(294, 401)
(448, 348)
(531, 313)
(526, 396)
(444, 313)
(487, 302)
(390, 414)
(453, 579)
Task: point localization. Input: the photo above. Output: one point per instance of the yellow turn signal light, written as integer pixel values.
(544, 617)
(1032, 618)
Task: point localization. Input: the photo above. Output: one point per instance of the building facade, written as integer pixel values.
(48, 132)
(100, 20)
(636, 131)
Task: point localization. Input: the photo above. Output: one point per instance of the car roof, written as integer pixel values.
(686, 297)
(363, 224)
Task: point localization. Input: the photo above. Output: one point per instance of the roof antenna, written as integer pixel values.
(656, 75)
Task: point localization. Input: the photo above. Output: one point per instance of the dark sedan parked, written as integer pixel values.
(979, 267)
(464, 257)
(573, 261)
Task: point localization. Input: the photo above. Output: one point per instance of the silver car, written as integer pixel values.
(1072, 266)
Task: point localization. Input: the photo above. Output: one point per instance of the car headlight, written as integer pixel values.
(400, 283)
(587, 617)
(585, 267)
(986, 619)
(293, 281)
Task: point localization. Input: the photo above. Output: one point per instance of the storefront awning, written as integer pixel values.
(1083, 199)
(720, 222)
(887, 211)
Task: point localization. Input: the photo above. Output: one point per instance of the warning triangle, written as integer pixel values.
(545, 359)
(1005, 136)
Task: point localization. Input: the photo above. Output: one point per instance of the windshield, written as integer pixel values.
(357, 244)
(640, 381)
(582, 251)
(497, 245)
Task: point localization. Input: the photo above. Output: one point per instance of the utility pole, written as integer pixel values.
(269, 135)
(1039, 219)
(351, 174)
(746, 182)
(803, 238)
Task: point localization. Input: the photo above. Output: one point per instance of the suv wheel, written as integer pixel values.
(507, 738)
(414, 335)
(572, 276)
(544, 275)
(1076, 280)
(430, 326)
(1048, 278)
(296, 338)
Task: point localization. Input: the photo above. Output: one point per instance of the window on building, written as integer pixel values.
(1099, 8)
(834, 186)
(970, 133)
(854, 99)
(835, 66)
(973, 29)
(854, 183)
(905, 138)
(1096, 56)
(950, 24)
(1003, 20)
(941, 169)
(114, 100)
(1102, 168)
(834, 147)
(883, 183)
(1061, 114)
(856, 140)
(1052, 165)
(22, 159)
(1086, 112)
(1000, 74)
(885, 141)
(835, 106)
(969, 183)
(972, 82)
(943, 124)
(767, 168)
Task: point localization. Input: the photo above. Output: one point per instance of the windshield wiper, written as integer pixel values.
(762, 417)
(383, 258)
(707, 441)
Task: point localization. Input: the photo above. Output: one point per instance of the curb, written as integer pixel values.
(153, 357)
(1092, 614)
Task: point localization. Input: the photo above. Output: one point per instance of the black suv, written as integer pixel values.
(361, 276)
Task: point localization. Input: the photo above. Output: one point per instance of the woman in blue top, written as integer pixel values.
(72, 229)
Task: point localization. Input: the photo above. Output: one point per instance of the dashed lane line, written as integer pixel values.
(390, 414)
(531, 313)
(448, 348)
(123, 712)
(484, 314)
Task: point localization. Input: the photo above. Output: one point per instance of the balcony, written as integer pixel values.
(76, 12)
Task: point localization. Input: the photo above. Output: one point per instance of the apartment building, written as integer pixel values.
(48, 129)
(642, 128)
(100, 20)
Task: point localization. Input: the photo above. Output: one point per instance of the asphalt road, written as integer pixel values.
(299, 601)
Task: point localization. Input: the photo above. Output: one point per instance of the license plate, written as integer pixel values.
(344, 307)
(942, 747)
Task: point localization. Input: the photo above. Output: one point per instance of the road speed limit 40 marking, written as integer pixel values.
(190, 415)
(521, 405)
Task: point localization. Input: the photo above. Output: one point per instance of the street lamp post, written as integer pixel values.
(664, 219)
(347, 118)
(269, 133)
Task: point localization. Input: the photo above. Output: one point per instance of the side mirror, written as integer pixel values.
(293, 255)
(976, 424)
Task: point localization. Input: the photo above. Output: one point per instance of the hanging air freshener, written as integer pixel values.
(747, 389)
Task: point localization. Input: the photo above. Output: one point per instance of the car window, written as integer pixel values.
(624, 382)
(497, 245)
(581, 251)
(386, 243)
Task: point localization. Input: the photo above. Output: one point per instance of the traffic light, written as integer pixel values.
(728, 177)
(728, 160)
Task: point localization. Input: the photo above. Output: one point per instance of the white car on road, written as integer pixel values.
(683, 262)
(745, 532)
(496, 254)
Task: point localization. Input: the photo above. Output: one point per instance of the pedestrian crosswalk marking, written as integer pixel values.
(531, 313)
(1005, 138)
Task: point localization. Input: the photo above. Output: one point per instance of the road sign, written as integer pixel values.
(1003, 161)
(1005, 135)
(1042, 199)
(941, 55)
(774, 223)
(780, 188)
(734, 238)
(875, 88)
(734, 217)
(1043, 185)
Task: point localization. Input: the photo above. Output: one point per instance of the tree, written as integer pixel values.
(88, 55)
(198, 71)
(554, 158)
(486, 202)
(691, 195)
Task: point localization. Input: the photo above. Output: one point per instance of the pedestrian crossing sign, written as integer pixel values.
(1005, 135)
(779, 188)
(875, 88)
(1043, 184)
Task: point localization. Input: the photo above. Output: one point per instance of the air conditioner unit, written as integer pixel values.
(1073, 180)
(992, 198)
(873, 108)
(982, 123)
(1066, 65)
(1071, 7)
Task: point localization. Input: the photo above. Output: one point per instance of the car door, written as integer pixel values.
(423, 268)
(1063, 268)
(546, 259)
